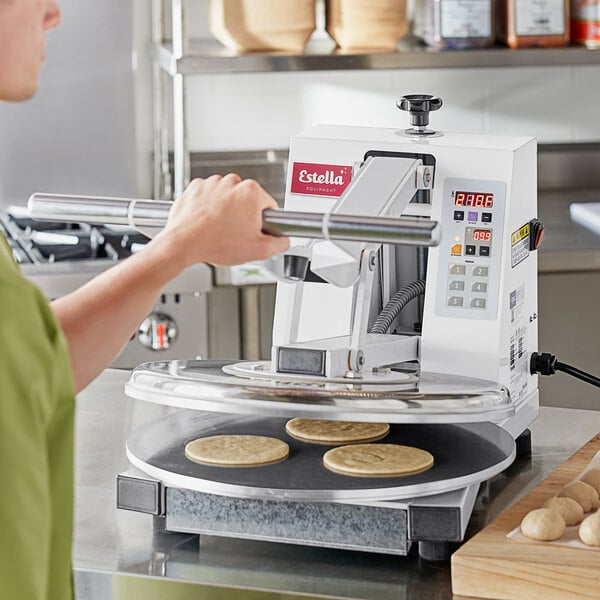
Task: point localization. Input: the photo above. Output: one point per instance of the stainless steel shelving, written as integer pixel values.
(180, 57)
(210, 57)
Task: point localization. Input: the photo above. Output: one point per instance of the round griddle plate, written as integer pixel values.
(430, 398)
(463, 455)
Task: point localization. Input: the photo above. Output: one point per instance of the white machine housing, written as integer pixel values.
(480, 304)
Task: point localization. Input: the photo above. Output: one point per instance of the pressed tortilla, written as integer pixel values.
(322, 431)
(237, 450)
(377, 460)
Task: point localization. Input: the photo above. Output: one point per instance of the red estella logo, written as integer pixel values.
(320, 180)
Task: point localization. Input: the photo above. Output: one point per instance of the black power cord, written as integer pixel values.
(547, 364)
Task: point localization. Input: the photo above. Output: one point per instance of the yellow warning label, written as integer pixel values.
(519, 235)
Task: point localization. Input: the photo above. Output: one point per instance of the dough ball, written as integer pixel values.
(543, 525)
(570, 510)
(592, 477)
(582, 493)
(589, 530)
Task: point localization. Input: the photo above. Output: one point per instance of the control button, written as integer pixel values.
(473, 216)
(484, 250)
(478, 303)
(470, 250)
(456, 301)
(479, 286)
(457, 285)
(458, 269)
(480, 271)
(486, 217)
(537, 233)
(459, 215)
(456, 250)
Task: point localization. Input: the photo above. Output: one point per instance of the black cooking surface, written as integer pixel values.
(459, 451)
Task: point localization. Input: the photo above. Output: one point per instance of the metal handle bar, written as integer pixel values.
(154, 213)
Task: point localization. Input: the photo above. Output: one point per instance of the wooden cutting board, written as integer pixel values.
(492, 566)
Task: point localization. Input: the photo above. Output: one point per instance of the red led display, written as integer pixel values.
(474, 199)
(482, 235)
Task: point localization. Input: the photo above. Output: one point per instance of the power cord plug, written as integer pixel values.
(545, 363)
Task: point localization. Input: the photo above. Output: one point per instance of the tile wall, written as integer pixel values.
(254, 111)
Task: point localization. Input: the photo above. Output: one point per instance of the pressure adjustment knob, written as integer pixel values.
(419, 106)
(157, 332)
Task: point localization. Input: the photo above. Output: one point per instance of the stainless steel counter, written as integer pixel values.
(116, 555)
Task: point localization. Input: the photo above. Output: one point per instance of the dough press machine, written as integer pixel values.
(408, 296)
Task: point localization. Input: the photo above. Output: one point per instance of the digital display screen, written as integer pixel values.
(482, 235)
(478, 241)
(474, 199)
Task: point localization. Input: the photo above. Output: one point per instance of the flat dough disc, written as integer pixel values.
(322, 431)
(237, 450)
(377, 460)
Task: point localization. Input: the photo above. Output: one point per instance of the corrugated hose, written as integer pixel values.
(399, 300)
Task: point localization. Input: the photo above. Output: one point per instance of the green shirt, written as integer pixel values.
(37, 406)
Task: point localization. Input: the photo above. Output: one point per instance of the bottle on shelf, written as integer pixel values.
(366, 24)
(524, 24)
(254, 25)
(455, 24)
(585, 22)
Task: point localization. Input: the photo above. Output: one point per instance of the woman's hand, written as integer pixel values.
(218, 220)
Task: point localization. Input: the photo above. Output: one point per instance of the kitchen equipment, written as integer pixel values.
(449, 371)
(60, 257)
(490, 565)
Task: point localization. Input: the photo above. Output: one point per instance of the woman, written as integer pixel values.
(50, 352)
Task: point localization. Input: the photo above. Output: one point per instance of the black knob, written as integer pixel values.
(419, 106)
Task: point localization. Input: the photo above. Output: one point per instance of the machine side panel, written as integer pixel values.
(519, 301)
(491, 344)
(468, 343)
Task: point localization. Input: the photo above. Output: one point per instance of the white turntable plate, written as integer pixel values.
(430, 398)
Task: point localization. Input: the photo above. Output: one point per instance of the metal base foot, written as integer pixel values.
(437, 551)
(523, 443)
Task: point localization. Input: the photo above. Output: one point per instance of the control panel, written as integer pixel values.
(470, 249)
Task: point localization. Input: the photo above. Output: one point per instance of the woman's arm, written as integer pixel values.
(216, 220)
